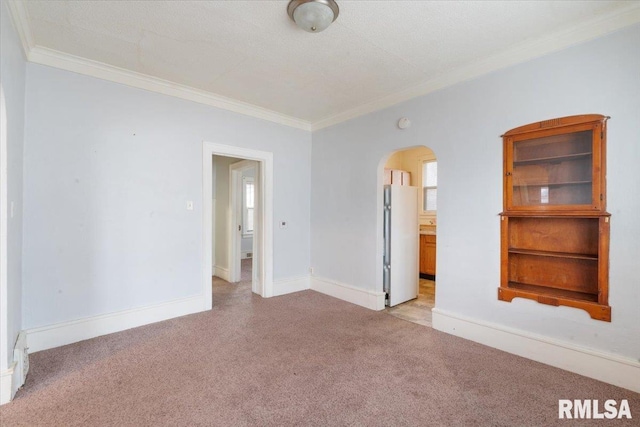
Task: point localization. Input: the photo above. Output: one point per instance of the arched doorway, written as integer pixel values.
(413, 167)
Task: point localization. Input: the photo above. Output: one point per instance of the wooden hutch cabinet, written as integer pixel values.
(554, 228)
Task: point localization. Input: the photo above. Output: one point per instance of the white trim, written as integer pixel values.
(291, 284)
(610, 368)
(263, 241)
(425, 216)
(421, 161)
(234, 239)
(213, 239)
(4, 264)
(221, 272)
(365, 298)
(64, 333)
(7, 390)
(245, 210)
(53, 58)
(20, 17)
(21, 360)
(525, 51)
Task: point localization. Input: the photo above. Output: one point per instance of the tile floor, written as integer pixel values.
(417, 310)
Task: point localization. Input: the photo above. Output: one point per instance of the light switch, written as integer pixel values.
(283, 224)
(189, 205)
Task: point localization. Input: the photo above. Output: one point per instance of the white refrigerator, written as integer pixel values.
(401, 244)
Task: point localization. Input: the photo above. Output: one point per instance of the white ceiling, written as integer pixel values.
(375, 54)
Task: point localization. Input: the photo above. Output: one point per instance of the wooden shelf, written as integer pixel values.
(554, 214)
(550, 297)
(552, 159)
(555, 228)
(553, 254)
(552, 184)
(553, 292)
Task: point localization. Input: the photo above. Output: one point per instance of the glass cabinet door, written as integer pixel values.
(553, 171)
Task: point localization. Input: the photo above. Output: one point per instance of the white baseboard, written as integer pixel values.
(73, 331)
(221, 272)
(21, 358)
(290, 285)
(610, 368)
(59, 334)
(7, 390)
(362, 297)
(12, 378)
(244, 254)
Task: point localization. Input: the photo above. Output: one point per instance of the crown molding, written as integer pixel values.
(53, 58)
(596, 27)
(520, 53)
(20, 18)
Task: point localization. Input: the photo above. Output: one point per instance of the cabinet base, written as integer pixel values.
(595, 310)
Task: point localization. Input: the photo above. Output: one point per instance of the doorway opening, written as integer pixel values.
(237, 223)
(409, 237)
(235, 197)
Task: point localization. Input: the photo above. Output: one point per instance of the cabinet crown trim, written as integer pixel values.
(555, 214)
(556, 123)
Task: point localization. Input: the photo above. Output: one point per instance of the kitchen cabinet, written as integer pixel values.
(428, 256)
(554, 228)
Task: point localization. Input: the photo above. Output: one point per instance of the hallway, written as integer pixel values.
(225, 293)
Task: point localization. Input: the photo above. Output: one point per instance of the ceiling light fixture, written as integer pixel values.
(313, 15)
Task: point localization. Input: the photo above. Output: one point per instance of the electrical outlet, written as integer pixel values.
(189, 205)
(283, 224)
(310, 270)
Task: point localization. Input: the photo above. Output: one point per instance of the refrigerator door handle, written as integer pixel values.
(387, 235)
(386, 261)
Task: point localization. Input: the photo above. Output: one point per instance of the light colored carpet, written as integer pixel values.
(303, 359)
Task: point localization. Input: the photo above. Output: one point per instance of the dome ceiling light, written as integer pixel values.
(313, 15)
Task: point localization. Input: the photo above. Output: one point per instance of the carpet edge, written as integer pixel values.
(607, 367)
(63, 333)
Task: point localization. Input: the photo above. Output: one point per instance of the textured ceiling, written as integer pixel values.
(250, 50)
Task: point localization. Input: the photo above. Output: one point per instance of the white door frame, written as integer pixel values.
(263, 275)
(235, 219)
(4, 304)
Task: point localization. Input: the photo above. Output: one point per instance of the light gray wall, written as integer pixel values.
(12, 76)
(108, 170)
(463, 124)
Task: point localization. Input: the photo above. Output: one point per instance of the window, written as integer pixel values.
(429, 185)
(248, 205)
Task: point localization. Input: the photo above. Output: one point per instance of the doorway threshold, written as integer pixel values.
(417, 310)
